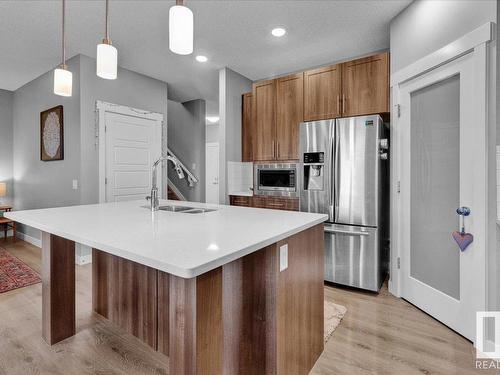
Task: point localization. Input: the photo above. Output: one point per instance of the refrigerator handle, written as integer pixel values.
(331, 189)
(336, 175)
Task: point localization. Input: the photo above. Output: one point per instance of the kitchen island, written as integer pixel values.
(217, 289)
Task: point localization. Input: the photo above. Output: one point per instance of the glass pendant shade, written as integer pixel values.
(63, 82)
(180, 30)
(107, 61)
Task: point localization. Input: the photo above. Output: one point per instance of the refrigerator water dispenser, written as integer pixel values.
(314, 164)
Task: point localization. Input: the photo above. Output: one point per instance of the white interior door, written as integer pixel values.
(212, 173)
(132, 145)
(443, 167)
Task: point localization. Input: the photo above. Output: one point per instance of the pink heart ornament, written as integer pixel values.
(462, 239)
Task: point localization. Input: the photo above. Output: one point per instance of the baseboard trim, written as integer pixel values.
(32, 240)
(80, 260)
(9, 233)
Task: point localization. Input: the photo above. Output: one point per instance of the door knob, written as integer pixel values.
(463, 211)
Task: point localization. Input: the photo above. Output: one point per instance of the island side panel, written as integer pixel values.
(196, 332)
(58, 288)
(232, 315)
(163, 312)
(258, 321)
(300, 303)
(125, 292)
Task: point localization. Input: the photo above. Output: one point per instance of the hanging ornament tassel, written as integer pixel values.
(462, 238)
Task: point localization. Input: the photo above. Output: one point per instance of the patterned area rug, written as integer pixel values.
(14, 273)
(333, 315)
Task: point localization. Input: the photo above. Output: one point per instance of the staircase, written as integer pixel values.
(171, 195)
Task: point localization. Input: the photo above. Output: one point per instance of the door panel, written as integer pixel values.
(322, 88)
(351, 256)
(443, 167)
(132, 144)
(212, 173)
(435, 181)
(290, 113)
(264, 120)
(247, 128)
(356, 169)
(365, 86)
(316, 137)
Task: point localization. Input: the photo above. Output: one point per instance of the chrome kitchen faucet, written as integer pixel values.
(154, 188)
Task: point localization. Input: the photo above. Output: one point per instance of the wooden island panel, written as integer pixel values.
(125, 292)
(58, 288)
(245, 317)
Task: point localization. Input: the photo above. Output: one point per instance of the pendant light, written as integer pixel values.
(107, 55)
(63, 78)
(180, 19)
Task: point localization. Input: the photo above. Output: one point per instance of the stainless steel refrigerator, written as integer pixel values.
(344, 172)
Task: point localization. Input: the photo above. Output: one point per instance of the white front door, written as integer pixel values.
(443, 167)
(212, 173)
(132, 145)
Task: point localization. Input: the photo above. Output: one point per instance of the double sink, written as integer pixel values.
(184, 209)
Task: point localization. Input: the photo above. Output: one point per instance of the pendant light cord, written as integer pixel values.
(63, 33)
(106, 23)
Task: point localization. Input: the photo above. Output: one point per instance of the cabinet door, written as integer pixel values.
(322, 93)
(365, 86)
(238, 200)
(246, 128)
(290, 113)
(264, 120)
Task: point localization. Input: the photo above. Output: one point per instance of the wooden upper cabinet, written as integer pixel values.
(264, 120)
(365, 84)
(322, 90)
(246, 128)
(290, 113)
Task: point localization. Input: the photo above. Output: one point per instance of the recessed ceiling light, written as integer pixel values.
(201, 58)
(278, 32)
(212, 119)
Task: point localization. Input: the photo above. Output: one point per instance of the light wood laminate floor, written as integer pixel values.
(380, 334)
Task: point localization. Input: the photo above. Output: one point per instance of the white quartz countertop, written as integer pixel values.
(242, 193)
(185, 245)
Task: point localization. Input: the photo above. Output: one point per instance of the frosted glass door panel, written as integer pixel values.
(435, 185)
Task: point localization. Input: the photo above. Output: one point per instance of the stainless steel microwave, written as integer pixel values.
(279, 179)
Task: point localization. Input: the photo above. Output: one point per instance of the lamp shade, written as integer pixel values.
(3, 189)
(180, 23)
(107, 61)
(63, 82)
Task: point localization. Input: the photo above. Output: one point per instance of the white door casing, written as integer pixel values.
(212, 172)
(132, 141)
(470, 66)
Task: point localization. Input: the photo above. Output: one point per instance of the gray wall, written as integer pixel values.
(49, 184)
(427, 25)
(6, 138)
(129, 89)
(186, 139)
(41, 184)
(231, 86)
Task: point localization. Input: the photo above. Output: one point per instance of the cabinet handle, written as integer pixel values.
(277, 149)
(338, 104)
(344, 99)
(274, 149)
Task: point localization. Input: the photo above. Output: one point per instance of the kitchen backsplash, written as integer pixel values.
(239, 177)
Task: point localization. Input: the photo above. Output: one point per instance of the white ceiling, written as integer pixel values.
(233, 33)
